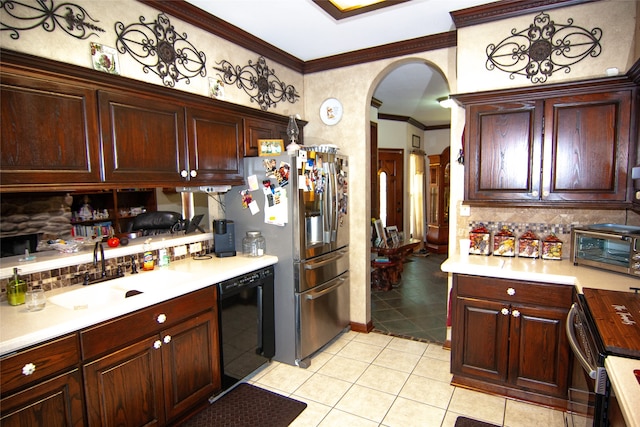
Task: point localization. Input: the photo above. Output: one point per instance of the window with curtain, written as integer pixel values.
(417, 183)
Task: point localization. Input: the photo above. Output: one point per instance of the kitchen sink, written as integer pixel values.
(117, 290)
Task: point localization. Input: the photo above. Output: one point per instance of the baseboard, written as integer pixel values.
(360, 327)
(447, 345)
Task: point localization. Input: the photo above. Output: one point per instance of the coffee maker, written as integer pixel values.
(224, 238)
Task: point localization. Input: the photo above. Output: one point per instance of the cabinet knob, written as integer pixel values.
(535, 193)
(545, 193)
(28, 369)
(167, 339)
(511, 291)
(193, 173)
(515, 313)
(157, 344)
(161, 318)
(505, 311)
(184, 173)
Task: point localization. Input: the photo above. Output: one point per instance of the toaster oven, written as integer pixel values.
(611, 247)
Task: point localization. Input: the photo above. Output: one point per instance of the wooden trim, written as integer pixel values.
(336, 13)
(447, 345)
(506, 9)
(359, 327)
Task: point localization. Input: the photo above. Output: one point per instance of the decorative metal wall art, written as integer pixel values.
(161, 50)
(71, 18)
(543, 48)
(259, 82)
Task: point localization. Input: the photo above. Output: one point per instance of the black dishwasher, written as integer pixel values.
(246, 319)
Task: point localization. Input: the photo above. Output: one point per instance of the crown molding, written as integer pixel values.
(336, 13)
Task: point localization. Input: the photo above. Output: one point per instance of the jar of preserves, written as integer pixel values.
(253, 244)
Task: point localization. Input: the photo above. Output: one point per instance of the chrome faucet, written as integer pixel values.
(102, 261)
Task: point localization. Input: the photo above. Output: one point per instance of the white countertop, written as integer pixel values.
(21, 328)
(561, 272)
(625, 386)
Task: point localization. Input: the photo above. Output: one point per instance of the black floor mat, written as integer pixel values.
(247, 405)
(468, 422)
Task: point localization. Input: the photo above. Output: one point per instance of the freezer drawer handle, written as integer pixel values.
(326, 291)
(573, 343)
(324, 262)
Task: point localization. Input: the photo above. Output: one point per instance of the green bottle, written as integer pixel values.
(16, 289)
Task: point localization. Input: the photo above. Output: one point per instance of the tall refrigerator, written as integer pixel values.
(300, 207)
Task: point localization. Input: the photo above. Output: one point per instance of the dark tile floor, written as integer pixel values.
(417, 307)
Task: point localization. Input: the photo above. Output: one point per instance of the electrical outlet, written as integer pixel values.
(195, 248)
(465, 210)
(180, 250)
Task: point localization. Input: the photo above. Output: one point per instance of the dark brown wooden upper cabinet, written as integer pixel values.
(143, 139)
(49, 133)
(254, 130)
(215, 144)
(562, 146)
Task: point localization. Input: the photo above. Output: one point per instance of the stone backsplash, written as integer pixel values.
(73, 275)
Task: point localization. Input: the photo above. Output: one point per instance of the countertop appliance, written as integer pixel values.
(246, 315)
(599, 324)
(302, 200)
(612, 247)
(224, 238)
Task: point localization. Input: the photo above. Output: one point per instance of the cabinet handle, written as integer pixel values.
(162, 318)
(157, 344)
(28, 369)
(505, 311)
(515, 313)
(167, 339)
(535, 193)
(545, 193)
(193, 173)
(184, 173)
(511, 291)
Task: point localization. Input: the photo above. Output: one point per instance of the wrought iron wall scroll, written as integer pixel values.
(71, 18)
(259, 82)
(161, 50)
(543, 48)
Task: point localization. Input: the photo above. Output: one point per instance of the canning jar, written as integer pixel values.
(253, 244)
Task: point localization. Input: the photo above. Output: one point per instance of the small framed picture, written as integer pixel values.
(392, 233)
(382, 236)
(270, 147)
(415, 141)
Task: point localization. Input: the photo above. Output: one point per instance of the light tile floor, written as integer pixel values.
(379, 380)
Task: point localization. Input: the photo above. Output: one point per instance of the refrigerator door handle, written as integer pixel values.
(328, 202)
(318, 264)
(315, 295)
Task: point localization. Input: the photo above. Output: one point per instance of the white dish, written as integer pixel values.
(331, 111)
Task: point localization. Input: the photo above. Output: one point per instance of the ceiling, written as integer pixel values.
(302, 29)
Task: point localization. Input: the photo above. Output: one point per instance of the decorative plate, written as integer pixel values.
(331, 111)
(104, 58)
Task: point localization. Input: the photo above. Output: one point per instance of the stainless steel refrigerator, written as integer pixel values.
(302, 201)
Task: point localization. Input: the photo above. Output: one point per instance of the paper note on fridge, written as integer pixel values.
(252, 181)
(254, 207)
(276, 209)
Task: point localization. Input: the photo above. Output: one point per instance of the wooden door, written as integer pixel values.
(504, 151)
(480, 344)
(191, 363)
(56, 402)
(125, 387)
(49, 133)
(539, 351)
(215, 143)
(586, 147)
(143, 139)
(375, 185)
(391, 161)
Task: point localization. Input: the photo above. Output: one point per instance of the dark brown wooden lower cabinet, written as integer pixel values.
(504, 342)
(56, 402)
(156, 379)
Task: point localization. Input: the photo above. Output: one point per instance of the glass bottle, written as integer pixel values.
(253, 244)
(16, 289)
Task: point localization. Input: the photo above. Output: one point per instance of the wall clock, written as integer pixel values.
(331, 111)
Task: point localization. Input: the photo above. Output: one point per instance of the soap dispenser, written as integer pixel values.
(16, 289)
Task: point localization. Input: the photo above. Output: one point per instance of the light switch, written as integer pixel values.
(465, 210)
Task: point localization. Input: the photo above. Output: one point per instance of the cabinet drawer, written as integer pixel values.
(47, 359)
(124, 330)
(514, 291)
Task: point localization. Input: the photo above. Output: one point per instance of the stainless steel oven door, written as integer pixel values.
(588, 390)
(322, 313)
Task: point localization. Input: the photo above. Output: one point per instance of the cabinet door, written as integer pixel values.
(49, 133)
(504, 152)
(191, 363)
(57, 402)
(215, 141)
(254, 130)
(480, 337)
(586, 147)
(539, 351)
(143, 139)
(125, 387)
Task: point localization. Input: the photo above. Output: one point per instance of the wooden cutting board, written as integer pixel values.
(617, 318)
